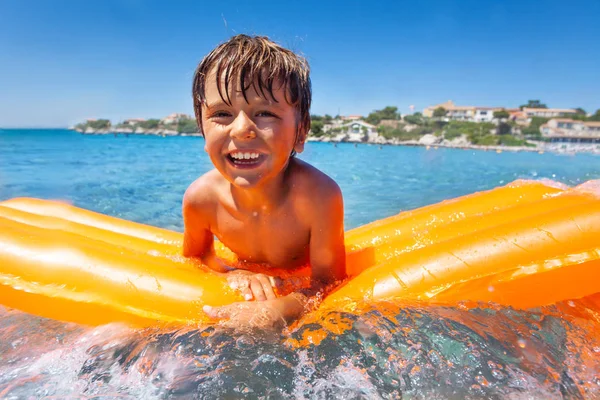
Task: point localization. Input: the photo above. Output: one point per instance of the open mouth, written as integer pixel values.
(248, 159)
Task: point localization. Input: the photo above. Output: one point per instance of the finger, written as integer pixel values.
(241, 284)
(232, 282)
(217, 312)
(257, 289)
(247, 293)
(277, 282)
(267, 286)
(237, 282)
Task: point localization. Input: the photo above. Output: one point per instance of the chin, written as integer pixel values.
(244, 182)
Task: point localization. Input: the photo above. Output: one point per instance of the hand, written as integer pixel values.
(264, 314)
(252, 285)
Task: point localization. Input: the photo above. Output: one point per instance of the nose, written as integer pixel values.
(243, 127)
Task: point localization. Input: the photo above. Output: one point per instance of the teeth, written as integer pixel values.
(244, 156)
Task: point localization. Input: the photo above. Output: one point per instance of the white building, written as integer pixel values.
(485, 114)
(568, 130)
(548, 112)
(353, 131)
(360, 131)
(133, 121)
(463, 113)
(174, 118)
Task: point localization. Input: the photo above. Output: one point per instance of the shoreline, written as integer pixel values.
(137, 131)
(539, 147)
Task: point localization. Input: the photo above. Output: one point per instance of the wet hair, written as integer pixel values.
(258, 62)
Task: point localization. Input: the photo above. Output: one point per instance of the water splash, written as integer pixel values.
(391, 349)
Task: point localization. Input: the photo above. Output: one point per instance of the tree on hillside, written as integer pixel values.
(595, 117)
(150, 124)
(502, 114)
(534, 126)
(580, 110)
(316, 128)
(388, 112)
(327, 119)
(533, 104)
(415, 119)
(187, 126)
(439, 112)
(503, 129)
(99, 124)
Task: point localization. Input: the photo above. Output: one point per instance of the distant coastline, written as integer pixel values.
(460, 144)
(137, 131)
(525, 129)
(175, 124)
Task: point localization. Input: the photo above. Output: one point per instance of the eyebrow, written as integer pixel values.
(259, 100)
(216, 104)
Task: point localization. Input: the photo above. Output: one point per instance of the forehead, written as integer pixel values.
(229, 88)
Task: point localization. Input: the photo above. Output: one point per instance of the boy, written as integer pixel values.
(252, 100)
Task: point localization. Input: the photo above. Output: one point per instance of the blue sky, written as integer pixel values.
(63, 61)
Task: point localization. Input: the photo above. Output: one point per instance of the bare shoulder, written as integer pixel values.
(203, 193)
(314, 190)
(199, 202)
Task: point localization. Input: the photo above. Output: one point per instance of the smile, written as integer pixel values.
(245, 159)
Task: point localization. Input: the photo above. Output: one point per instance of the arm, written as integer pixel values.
(327, 250)
(198, 239)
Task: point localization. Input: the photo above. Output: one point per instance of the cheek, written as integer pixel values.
(213, 136)
(212, 144)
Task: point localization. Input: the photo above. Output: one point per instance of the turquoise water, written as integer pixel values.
(143, 178)
(392, 350)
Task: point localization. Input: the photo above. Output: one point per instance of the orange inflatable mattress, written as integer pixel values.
(524, 245)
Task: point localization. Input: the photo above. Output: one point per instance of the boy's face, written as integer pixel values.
(249, 142)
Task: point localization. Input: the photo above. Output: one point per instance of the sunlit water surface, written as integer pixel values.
(390, 349)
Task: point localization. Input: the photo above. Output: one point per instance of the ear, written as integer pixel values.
(299, 146)
(300, 139)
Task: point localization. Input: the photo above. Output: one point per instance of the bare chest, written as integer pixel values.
(279, 239)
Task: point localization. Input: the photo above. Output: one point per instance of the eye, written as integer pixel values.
(220, 114)
(266, 114)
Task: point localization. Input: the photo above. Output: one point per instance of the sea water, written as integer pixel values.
(391, 349)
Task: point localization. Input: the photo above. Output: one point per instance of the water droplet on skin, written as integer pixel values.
(481, 380)
(255, 214)
(497, 374)
(490, 288)
(571, 303)
(521, 343)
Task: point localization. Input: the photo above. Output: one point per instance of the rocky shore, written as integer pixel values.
(428, 140)
(461, 142)
(136, 131)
